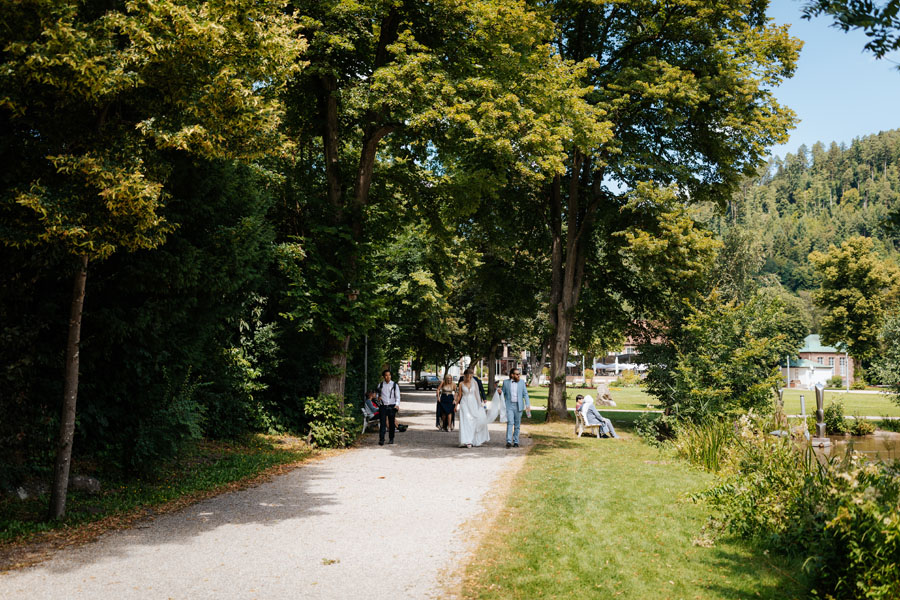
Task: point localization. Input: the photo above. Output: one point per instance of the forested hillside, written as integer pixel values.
(820, 197)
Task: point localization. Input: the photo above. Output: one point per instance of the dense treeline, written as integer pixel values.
(820, 197)
(209, 208)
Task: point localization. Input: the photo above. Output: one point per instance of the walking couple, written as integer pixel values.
(474, 416)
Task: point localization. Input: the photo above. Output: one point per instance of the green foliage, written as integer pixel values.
(840, 516)
(705, 444)
(724, 358)
(814, 199)
(860, 426)
(627, 378)
(328, 426)
(853, 295)
(177, 421)
(889, 425)
(588, 375)
(835, 424)
(835, 382)
(887, 366)
(656, 429)
(97, 96)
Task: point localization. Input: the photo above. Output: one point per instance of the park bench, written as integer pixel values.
(581, 425)
(368, 419)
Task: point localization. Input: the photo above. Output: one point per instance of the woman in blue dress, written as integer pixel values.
(445, 409)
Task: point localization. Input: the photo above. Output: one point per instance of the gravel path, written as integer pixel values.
(375, 522)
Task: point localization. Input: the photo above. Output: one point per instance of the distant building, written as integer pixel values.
(817, 364)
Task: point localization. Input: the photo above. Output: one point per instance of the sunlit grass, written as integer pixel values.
(874, 405)
(608, 519)
(636, 398)
(630, 398)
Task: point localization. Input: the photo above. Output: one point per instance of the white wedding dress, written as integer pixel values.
(473, 421)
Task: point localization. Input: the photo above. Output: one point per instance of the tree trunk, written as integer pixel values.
(567, 266)
(334, 371)
(492, 370)
(70, 396)
(374, 130)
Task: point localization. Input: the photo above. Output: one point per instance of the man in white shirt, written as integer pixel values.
(388, 401)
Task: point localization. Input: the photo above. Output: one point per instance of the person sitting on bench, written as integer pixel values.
(585, 405)
(370, 407)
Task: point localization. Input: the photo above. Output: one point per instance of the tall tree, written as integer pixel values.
(448, 79)
(685, 90)
(97, 97)
(857, 287)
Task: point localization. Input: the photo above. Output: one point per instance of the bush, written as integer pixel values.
(655, 428)
(164, 432)
(889, 424)
(627, 378)
(861, 426)
(858, 384)
(588, 375)
(840, 515)
(328, 426)
(834, 418)
(835, 383)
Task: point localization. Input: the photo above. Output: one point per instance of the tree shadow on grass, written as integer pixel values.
(790, 581)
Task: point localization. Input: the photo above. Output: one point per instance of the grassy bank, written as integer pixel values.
(608, 519)
(204, 469)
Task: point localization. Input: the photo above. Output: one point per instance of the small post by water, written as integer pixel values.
(820, 439)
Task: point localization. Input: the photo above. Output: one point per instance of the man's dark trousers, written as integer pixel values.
(387, 417)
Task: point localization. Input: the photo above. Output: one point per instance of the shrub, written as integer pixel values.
(164, 432)
(834, 418)
(889, 424)
(861, 426)
(655, 428)
(588, 375)
(627, 378)
(858, 384)
(841, 515)
(545, 371)
(835, 383)
(705, 444)
(328, 426)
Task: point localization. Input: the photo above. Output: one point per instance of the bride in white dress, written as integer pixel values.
(473, 422)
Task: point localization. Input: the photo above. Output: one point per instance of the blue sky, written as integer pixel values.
(839, 92)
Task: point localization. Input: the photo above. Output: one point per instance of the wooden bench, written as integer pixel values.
(581, 425)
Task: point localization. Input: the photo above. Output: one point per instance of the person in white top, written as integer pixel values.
(473, 426)
(389, 402)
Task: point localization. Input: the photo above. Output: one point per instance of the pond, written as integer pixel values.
(882, 445)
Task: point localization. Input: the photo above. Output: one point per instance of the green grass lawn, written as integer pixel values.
(605, 518)
(633, 398)
(876, 405)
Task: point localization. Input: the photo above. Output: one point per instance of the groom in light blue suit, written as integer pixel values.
(516, 397)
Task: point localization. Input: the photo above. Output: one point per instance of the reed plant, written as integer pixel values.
(705, 444)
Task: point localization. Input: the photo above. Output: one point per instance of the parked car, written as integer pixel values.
(428, 382)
